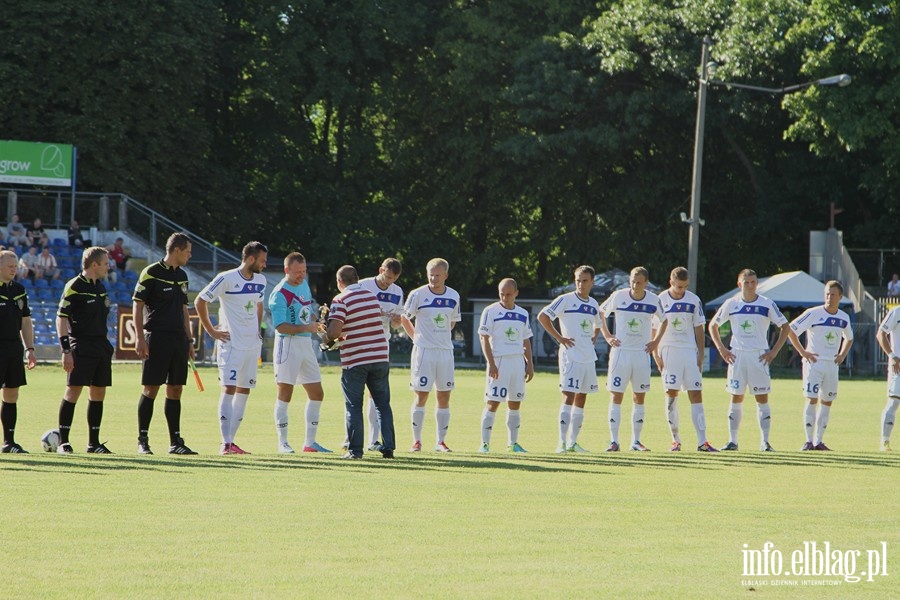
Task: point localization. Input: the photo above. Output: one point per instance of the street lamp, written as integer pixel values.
(707, 68)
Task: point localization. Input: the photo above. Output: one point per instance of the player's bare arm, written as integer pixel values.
(27, 335)
(884, 341)
(529, 361)
(62, 330)
(845, 350)
(493, 371)
(701, 345)
(726, 354)
(140, 347)
(653, 343)
(202, 307)
(795, 342)
(189, 331)
(612, 340)
(408, 326)
(769, 356)
(547, 323)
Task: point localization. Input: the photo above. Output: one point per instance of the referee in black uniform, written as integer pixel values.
(163, 331)
(16, 338)
(87, 353)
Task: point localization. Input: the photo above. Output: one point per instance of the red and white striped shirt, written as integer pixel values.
(363, 333)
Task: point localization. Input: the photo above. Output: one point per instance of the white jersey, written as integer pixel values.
(434, 316)
(824, 330)
(578, 320)
(633, 318)
(749, 322)
(890, 324)
(507, 329)
(684, 316)
(391, 301)
(238, 298)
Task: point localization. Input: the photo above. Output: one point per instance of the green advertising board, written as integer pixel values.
(35, 163)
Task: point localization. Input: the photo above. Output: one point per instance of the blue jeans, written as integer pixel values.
(354, 382)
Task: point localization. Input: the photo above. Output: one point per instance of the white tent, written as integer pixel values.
(796, 289)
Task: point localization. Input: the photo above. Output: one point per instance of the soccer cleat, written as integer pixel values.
(316, 447)
(576, 448)
(179, 448)
(385, 453)
(235, 449)
(561, 449)
(345, 447)
(98, 449)
(375, 447)
(351, 456)
(13, 449)
(416, 447)
(485, 448)
(65, 449)
(613, 447)
(144, 445)
(442, 447)
(226, 449)
(807, 447)
(676, 447)
(885, 446)
(766, 447)
(706, 447)
(637, 446)
(822, 446)
(516, 448)
(730, 447)
(285, 448)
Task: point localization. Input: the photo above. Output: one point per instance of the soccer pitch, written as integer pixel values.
(463, 525)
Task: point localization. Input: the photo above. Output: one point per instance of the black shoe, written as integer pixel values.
(98, 449)
(13, 449)
(144, 445)
(351, 456)
(179, 448)
(387, 453)
(65, 448)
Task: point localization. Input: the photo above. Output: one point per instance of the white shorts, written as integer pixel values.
(295, 360)
(680, 370)
(431, 367)
(628, 366)
(577, 378)
(820, 379)
(510, 383)
(893, 382)
(748, 372)
(237, 367)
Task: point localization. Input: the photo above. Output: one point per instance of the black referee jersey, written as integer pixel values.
(85, 304)
(163, 290)
(13, 307)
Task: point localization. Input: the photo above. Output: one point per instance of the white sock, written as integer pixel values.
(615, 419)
(637, 421)
(764, 414)
(698, 416)
(442, 421)
(565, 418)
(281, 420)
(313, 408)
(735, 413)
(374, 423)
(809, 420)
(888, 417)
(417, 414)
(225, 412)
(822, 421)
(513, 420)
(672, 415)
(487, 425)
(238, 406)
(577, 422)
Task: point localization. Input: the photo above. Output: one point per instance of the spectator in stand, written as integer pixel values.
(76, 240)
(119, 255)
(47, 264)
(17, 234)
(29, 265)
(37, 236)
(893, 286)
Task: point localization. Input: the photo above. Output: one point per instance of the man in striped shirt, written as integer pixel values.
(355, 318)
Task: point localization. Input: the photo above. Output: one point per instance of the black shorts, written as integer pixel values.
(168, 360)
(12, 369)
(93, 363)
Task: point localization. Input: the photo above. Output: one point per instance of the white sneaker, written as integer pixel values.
(285, 448)
(561, 449)
(485, 449)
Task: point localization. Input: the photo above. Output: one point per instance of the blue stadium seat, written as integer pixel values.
(41, 283)
(45, 294)
(130, 276)
(27, 283)
(67, 274)
(57, 284)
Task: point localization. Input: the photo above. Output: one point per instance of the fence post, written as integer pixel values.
(123, 213)
(12, 200)
(103, 214)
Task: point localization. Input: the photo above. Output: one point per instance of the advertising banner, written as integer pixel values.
(35, 163)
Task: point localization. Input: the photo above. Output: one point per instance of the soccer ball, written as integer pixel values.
(50, 440)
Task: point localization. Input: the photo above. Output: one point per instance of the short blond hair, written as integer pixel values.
(438, 262)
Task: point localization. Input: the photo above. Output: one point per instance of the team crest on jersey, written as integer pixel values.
(511, 334)
(677, 325)
(184, 287)
(440, 321)
(831, 338)
(747, 327)
(21, 303)
(106, 301)
(634, 325)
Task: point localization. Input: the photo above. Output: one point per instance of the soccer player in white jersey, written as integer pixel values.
(750, 316)
(435, 309)
(505, 334)
(390, 297)
(579, 325)
(240, 294)
(679, 356)
(291, 304)
(828, 340)
(630, 349)
(888, 337)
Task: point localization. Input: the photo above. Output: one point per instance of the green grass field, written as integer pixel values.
(539, 525)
